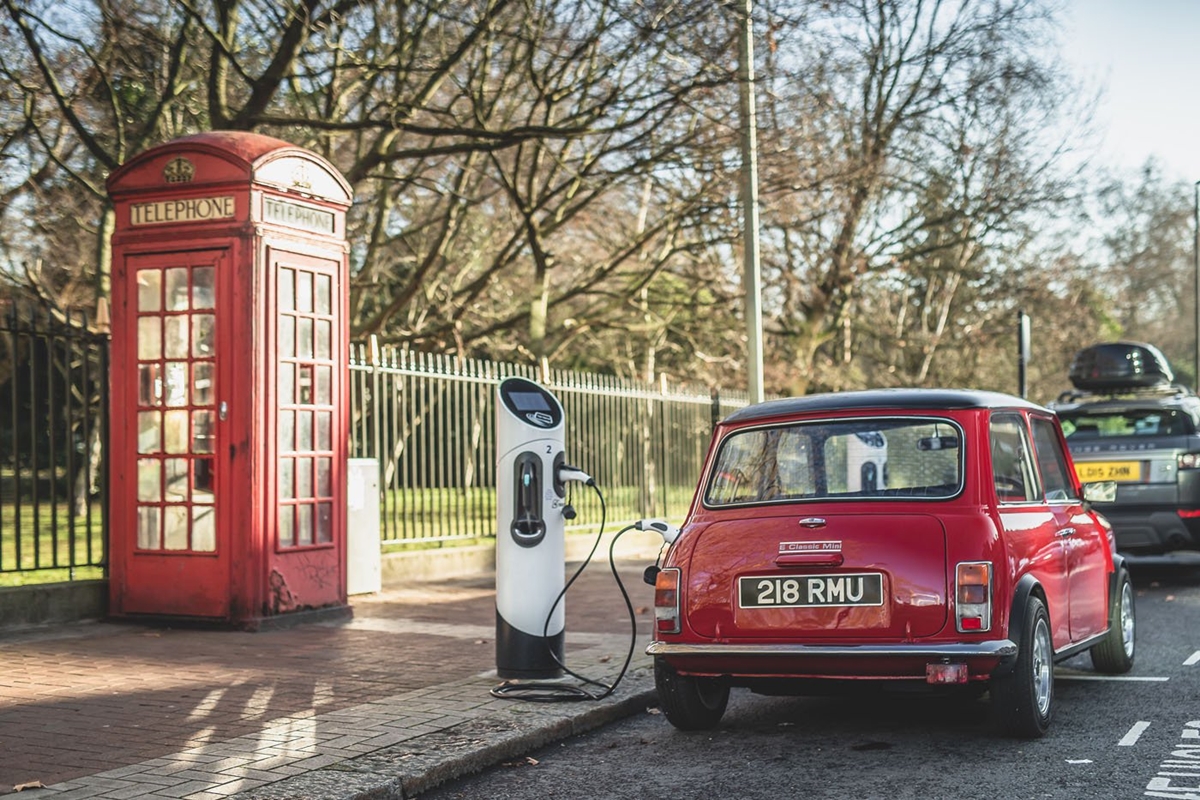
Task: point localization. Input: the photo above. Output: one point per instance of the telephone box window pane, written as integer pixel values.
(177, 289)
(175, 432)
(304, 524)
(287, 431)
(203, 334)
(304, 431)
(202, 486)
(324, 334)
(148, 525)
(286, 387)
(304, 338)
(149, 480)
(149, 432)
(149, 290)
(287, 290)
(202, 384)
(324, 294)
(306, 388)
(287, 488)
(176, 387)
(204, 529)
(324, 386)
(324, 523)
(149, 338)
(177, 479)
(202, 431)
(287, 336)
(203, 293)
(324, 477)
(287, 526)
(175, 528)
(176, 337)
(304, 292)
(150, 387)
(304, 478)
(324, 437)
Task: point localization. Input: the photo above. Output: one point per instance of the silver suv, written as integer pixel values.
(1127, 421)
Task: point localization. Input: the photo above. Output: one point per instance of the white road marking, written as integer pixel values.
(1079, 761)
(1193, 659)
(1135, 733)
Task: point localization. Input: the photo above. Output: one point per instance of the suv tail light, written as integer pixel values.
(666, 601)
(1189, 460)
(973, 596)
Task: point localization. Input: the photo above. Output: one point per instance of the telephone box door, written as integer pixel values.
(308, 562)
(180, 558)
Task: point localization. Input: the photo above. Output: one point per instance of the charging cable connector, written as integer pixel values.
(666, 530)
(568, 473)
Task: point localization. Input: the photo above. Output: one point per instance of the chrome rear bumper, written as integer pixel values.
(1002, 648)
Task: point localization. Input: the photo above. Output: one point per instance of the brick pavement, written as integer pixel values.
(386, 704)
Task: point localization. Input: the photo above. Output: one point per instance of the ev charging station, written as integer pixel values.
(531, 471)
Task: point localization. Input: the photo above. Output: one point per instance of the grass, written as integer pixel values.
(412, 519)
(46, 544)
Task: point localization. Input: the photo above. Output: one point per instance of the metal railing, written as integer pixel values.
(430, 421)
(53, 418)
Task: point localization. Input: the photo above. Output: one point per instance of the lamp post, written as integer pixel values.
(1196, 271)
(751, 268)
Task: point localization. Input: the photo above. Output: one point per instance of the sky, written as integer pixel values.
(1145, 56)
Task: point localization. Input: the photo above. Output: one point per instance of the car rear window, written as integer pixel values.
(877, 457)
(1079, 425)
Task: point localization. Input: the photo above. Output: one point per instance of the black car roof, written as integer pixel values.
(898, 399)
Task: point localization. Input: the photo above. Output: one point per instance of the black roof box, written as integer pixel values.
(1119, 365)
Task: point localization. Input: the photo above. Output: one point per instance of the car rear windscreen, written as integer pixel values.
(1080, 425)
(876, 457)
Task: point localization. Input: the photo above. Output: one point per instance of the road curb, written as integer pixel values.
(506, 730)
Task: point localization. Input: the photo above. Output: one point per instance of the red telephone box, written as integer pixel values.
(229, 382)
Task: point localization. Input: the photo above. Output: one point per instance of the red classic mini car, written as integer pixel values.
(922, 535)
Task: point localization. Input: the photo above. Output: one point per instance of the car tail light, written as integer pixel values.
(1189, 460)
(973, 596)
(666, 601)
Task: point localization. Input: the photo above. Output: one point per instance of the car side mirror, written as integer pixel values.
(1100, 492)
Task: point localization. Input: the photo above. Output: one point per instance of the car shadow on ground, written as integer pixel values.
(1179, 569)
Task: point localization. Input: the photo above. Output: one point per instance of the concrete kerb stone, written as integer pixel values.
(509, 729)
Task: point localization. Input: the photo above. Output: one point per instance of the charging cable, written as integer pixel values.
(549, 692)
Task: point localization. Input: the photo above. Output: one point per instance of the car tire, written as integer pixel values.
(690, 704)
(1023, 700)
(1113, 655)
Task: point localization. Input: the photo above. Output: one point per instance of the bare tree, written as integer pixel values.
(924, 151)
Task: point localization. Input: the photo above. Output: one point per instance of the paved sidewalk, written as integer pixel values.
(385, 705)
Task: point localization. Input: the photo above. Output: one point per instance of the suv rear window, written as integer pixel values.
(840, 459)
(1131, 422)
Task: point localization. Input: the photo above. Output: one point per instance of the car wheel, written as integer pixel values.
(1114, 654)
(690, 704)
(1023, 700)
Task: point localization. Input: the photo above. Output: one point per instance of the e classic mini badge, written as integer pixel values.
(810, 547)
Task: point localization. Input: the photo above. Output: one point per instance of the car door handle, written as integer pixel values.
(1066, 531)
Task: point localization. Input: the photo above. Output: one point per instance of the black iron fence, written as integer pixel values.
(430, 421)
(53, 412)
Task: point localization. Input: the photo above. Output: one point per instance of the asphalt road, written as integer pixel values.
(1129, 736)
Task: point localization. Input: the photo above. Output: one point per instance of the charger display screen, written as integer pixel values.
(529, 401)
